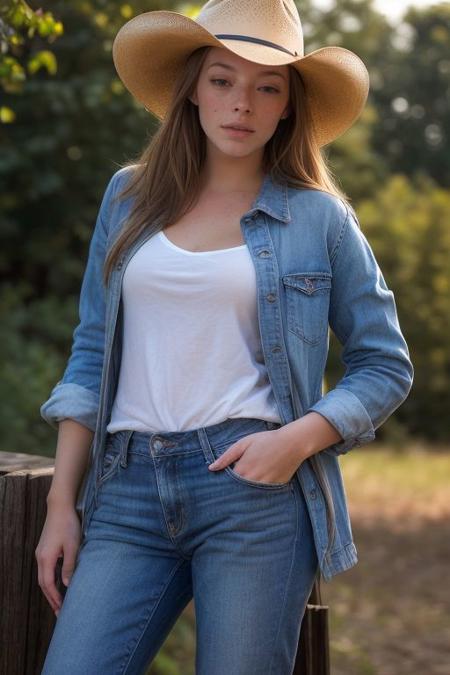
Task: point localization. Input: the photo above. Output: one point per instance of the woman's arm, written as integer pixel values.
(74, 403)
(61, 534)
(72, 452)
(76, 395)
(363, 316)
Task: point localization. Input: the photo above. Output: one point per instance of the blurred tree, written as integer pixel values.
(405, 126)
(70, 132)
(411, 96)
(16, 17)
(73, 128)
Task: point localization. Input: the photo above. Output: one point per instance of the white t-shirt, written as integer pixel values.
(192, 352)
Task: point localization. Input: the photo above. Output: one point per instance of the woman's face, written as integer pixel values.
(240, 92)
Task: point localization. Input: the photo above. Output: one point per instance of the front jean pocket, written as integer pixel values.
(307, 304)
(218, 450)
(110, 461)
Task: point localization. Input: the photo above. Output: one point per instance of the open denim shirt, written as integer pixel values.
(315, 269)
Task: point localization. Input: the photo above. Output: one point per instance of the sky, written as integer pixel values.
(392, 9)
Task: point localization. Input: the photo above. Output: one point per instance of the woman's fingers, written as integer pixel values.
(70, 554)
(46, 577)
(56, 553)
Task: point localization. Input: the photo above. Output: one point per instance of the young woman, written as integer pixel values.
(218, 262)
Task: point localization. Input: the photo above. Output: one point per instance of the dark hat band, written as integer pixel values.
(247, 38)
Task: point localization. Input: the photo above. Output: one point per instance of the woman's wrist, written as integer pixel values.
(308, 435)
(60, 500)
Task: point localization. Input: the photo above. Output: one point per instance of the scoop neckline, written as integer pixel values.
(186, 252)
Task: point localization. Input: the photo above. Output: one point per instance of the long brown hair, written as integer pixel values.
(166, 178)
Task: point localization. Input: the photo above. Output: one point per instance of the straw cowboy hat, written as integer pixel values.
(150, 49)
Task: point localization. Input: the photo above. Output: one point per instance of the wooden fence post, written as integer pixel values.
(26, 620)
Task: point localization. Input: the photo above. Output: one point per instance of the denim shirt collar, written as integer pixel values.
(272, 199)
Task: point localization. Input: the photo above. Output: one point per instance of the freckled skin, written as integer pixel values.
(242, 95)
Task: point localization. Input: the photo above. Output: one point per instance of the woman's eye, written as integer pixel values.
(265, 87)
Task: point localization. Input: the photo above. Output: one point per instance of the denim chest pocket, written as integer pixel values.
(307, 304)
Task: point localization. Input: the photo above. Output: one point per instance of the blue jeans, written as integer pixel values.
(164, 529)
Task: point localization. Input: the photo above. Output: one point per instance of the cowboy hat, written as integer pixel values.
(151, 48)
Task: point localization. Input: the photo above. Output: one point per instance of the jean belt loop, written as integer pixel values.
(124, 447)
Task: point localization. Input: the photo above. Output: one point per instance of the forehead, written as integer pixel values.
(238, 63)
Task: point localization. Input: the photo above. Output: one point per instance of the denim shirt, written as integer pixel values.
(315, 270)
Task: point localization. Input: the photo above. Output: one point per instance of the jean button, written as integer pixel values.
(157, 444)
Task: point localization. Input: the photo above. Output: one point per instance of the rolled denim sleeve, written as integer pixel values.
(76, 395)
(363, 316)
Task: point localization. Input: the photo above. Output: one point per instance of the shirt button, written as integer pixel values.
(313, 493)
(276, 349)
(271, 297)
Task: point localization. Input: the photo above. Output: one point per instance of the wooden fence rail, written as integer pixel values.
(27, 620)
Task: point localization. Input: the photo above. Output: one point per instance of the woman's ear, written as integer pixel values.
(193, 98)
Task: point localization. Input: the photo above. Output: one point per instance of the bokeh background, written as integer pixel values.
(66, 124)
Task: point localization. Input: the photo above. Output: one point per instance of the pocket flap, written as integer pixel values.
(308, 282)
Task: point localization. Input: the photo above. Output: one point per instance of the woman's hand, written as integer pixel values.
(264, 457)
(60, 537)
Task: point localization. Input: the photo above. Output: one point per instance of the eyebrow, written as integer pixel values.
(264, 72)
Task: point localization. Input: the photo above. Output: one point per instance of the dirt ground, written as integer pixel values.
(390, 614)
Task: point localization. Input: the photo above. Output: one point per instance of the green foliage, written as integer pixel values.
(73, 124)
(18, 25)
(408, 226)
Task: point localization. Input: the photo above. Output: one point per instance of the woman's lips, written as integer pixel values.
(238, 133)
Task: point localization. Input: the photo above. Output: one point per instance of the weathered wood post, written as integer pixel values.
(26, 619)
(313, 654)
